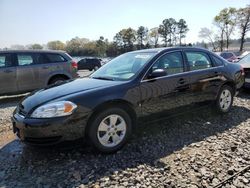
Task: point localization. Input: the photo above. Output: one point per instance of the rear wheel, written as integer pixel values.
(110, 130)
(224, 99)
(95, 68)
(56, 80)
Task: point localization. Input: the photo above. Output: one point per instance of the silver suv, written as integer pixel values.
(24, 71)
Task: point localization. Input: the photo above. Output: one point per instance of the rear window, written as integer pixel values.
(5, 60)
(53, 58)
(24, 59)
(226, 55)
(217, 61)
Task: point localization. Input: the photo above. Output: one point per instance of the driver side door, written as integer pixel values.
(166, 92)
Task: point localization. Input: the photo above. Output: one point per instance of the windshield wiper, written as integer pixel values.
(103, 78)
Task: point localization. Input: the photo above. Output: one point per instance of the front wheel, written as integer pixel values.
(110, 130)
(224, 99)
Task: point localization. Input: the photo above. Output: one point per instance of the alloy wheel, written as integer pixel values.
(225, 99)
(112, 130)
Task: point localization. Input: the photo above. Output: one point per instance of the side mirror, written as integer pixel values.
(158, 73)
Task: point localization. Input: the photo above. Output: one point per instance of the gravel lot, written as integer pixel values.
(189, 150)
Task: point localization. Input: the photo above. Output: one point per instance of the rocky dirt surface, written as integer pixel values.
(197, 149)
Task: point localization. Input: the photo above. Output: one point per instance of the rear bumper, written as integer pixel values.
(48, 131)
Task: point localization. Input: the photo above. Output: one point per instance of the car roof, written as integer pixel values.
(158, 50)
(32, 51)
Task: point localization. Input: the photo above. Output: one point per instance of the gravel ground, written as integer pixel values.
(197, 149)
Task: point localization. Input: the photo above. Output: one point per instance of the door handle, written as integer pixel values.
(45, 67)
(181, 81)
(8, 71)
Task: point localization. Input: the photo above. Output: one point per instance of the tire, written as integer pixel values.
(104, 134)
(56, 80)
(224, 99)
(96, 68)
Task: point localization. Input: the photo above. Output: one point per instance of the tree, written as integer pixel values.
(182, 29)
(173, 31)
(125, 39)
(76, 46)
(56, 45)
(207, 34)
(243, 17)
(168, 31)
(101, 46)
(154, 36)
(142, 34)
(36, 47)
(164, 31)
(226, 21)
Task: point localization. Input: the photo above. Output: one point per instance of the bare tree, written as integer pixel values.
(243, 17)
(207, 34)
(154, 36)
(226, 22)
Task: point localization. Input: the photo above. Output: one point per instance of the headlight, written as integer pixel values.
(56, 109)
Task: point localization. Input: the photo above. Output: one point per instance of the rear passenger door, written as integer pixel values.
(7, 74)
(204, 75)
(27, 72)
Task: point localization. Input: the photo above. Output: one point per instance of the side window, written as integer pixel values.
(171, 62)
(217, 61)
(54, 58)
(25, 59)
(5, 60)
(198, 60)
(42, 59)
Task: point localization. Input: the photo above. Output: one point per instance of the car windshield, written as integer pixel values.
(123, 67)
(245, 59)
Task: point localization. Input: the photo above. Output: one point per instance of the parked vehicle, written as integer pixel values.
(245, 63)
(229, 56)
(27, 70)
(89, 64)
(105, 107)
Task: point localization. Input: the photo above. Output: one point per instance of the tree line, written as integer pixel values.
(228, 22)
(169, 33)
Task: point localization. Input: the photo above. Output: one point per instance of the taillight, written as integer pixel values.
(74, 64)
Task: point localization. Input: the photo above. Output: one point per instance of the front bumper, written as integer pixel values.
(48, 131)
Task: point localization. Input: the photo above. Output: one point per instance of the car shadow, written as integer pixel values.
(10, 101)
(244, 94)
(59, 165)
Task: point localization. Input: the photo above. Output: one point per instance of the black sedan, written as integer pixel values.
(104, 108)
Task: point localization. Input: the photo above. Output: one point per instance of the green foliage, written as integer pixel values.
(154, 37)
(125, 39)
(171, 31)
(182, 29)
(226, 22)
(36, 47)
(142, 34)
(56, 45)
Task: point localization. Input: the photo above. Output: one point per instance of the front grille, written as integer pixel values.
(43, 141)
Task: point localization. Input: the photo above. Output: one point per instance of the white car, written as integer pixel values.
(245, 63)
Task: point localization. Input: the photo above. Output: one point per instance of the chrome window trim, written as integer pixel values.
(142, 80)
(190, 71)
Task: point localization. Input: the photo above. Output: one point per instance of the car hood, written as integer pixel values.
(56, 91)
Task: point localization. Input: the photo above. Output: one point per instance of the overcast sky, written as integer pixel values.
(39, 21)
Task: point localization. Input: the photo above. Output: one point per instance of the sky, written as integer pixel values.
(39, 21)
